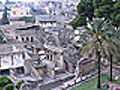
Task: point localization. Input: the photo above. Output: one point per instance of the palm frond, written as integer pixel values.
(109, 41)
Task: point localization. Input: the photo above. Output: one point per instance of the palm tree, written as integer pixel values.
(102, 41)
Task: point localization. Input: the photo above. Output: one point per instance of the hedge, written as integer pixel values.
(9, 87)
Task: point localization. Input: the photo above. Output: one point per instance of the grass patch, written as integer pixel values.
(116, 82)
(91, 85)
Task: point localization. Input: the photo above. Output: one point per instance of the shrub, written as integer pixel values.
(9, 87)
(1, 88)
(5, 80)
(18, 84)
(1, 83)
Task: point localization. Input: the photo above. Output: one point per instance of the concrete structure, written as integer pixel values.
(16, 12)
(46, 48)
(10, 58)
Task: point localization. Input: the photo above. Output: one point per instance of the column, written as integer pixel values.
(12, 62)
(49, 56)
(47, 52)
(35, 50)
(0, 65)
(23, 55)
(53, 57)
(0, 62)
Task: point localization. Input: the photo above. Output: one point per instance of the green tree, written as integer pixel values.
(109, 9)
(117, 20)
(79, 20)
(103, 11)
(103, 41)
(5, 19)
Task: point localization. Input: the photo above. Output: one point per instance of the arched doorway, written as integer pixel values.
(22, 39)
(27, 38)
(31, 39)
(66, 66)
(16, 37)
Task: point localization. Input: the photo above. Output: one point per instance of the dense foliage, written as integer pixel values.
(9, 87)
(1, 88)
(4, 80)
(103, 42)
(109, 9)
(6, 83)
(106, 34)
(18, 84)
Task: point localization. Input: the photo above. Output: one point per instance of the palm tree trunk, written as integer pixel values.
(111, 67)
(99, 58)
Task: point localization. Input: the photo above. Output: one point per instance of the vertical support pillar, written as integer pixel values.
(0, 62)
(0, 65)
(49, 56)
(53, 57)
(35, 50)
(12, 62)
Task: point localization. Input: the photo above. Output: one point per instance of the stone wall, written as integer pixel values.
(54, 83)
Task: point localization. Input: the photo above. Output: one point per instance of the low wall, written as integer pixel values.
(54, 83)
